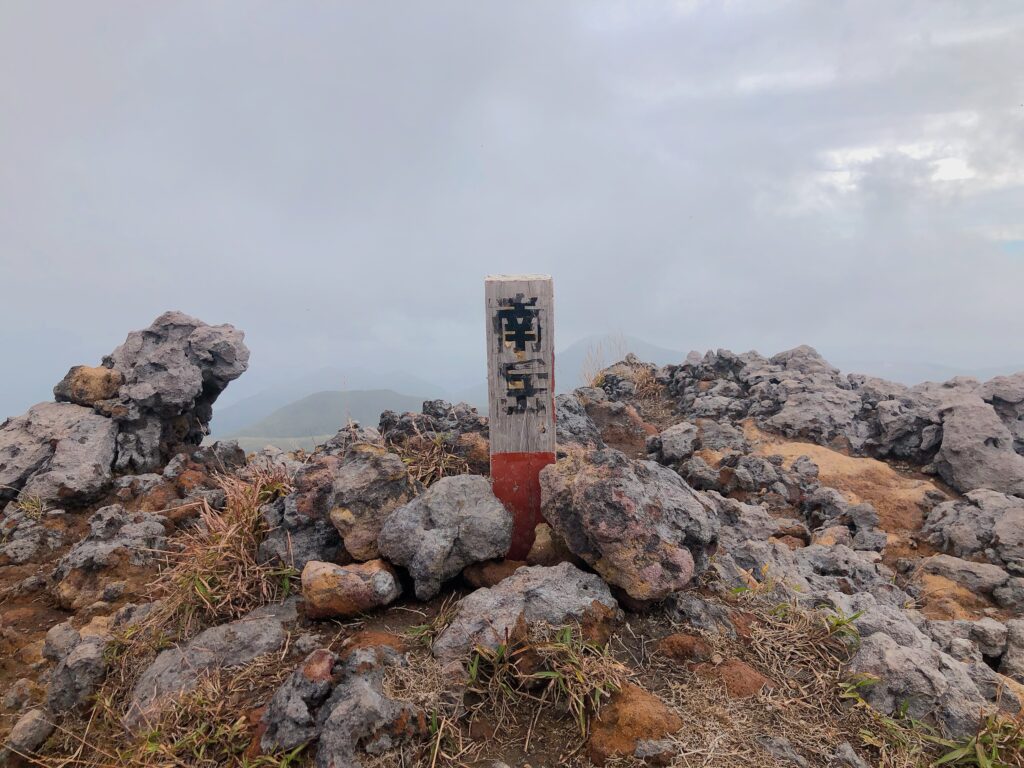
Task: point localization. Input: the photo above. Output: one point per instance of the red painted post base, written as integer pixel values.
(516, 481)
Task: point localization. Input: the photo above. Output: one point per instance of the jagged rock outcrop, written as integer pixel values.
(962, 426)
(637, 523)
(172, 373)
(152, 394)
(454, 523)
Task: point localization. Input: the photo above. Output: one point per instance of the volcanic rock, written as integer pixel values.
(636, 523)
(456, 522)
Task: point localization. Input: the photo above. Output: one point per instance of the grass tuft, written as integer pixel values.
(215, 574)
(428, 457)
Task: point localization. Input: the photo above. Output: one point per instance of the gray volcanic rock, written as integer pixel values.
(24, 535)
(28, 734)
(299, 527)
(555, 595)
(929, 683)
(153, 393)
(977, 449)
(368, 486)
(177, 670)
(988, 524)
(78, 675)
(1013, 659)
(1006, 395)
(573, 425)
(678, 442)
(173, 372)
(359, 716)
(291, 714)
(982, 578)
(636, 522)
(338, 505)
(969, 430)
(56, 451)
(456, 522)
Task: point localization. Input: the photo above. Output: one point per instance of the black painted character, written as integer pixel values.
(518, 323)
(526, 386)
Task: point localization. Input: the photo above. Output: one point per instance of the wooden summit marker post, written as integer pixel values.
(521, 395)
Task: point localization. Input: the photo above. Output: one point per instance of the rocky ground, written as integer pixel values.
(746, 561)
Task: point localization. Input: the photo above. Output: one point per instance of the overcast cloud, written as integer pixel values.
(336, 179)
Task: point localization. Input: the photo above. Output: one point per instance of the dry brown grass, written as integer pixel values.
(207, 727)
(428, 458)
(214, 574)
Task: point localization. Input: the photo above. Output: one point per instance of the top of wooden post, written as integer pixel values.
(510, 278)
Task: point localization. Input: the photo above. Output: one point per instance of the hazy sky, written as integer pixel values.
(336, 178)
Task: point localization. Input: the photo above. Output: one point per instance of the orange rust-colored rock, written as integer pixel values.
(339, 591)
(685, 648)
(489, 573)
(632, 715)
(87, 385)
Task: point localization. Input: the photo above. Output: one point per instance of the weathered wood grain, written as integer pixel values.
(520, 363)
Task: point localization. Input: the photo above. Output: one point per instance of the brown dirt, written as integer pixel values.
(685, 648)
(632, 715)
(896, 495)
(740, 679)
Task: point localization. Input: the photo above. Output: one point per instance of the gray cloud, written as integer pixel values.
(337, 178)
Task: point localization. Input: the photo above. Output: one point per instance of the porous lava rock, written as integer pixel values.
(456, 522)
(556, 595)
(637, 523)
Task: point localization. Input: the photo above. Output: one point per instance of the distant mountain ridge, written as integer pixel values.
(324, 413)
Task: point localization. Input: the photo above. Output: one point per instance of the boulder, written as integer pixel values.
(86, 385)
(456, 522)
(29, 733)
(177, 670)
(78, 675)
(981, 578)
(556, 595)
(57, 452)
(977, 449)
(987, 524)
(368, 486)
(340, 591)
(928, 683)
(678, 442)
(637, 523)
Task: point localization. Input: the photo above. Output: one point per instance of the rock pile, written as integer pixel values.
(675, 490)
